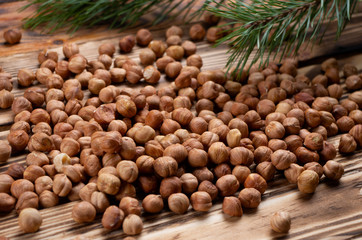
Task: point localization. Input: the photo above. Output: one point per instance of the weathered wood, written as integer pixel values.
(334, 211)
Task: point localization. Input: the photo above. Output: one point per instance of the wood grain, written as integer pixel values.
(333, 212)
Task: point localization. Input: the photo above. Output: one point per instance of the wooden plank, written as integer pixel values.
(334, 211)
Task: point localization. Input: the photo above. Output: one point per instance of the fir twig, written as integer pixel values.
(73, 14)
(277, 27)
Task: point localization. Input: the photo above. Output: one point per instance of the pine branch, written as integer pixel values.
(277, 27)
(73, 14)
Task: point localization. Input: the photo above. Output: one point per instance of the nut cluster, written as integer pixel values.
(123, 142)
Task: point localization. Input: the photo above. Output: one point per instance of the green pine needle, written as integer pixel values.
(53, 15)
(277, 27)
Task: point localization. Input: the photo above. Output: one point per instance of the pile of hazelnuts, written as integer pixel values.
(201, 139)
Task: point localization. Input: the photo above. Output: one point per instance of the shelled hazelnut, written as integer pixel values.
(347, 144)
(333, 170)
(30, 220)
(201, 201)
(280, 222)
(5, 151)
(249, 197)
(12, 36)
(132, 225)
(308, 181)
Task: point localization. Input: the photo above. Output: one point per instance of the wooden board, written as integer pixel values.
(334, 211)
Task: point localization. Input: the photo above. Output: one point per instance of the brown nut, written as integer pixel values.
(256, 181)
(201, 201)
(127, 171)
(282, 159)
(7, 203)
(227, 185)
(143, 37)
(249, 197)
(292, 173)
(27, 200)
(12, 36)
(112, 218)
(127, 43)
(197, 32)
(333, 170)
(152, 203)
(83, 212)
(280, 222)
(132, 225)
(314, 141)
(178, 203)
(308, 181)
(347, 144)
(30, 220)
(130, 205)
(232, 207)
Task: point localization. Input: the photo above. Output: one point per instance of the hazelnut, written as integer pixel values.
(256, 181)
(176, 151)
(173, 40)
(70, 49)
(241, 155)
(308, 181)
(249, 197)
(169, 186)
(43, 183)
(189, 183)
(127, 171)
(305, 155)
(127, 43)
(70, 146)
(275, 130)
(77, 64)
(276, 144)
(189, 47)
(266, 170)
(30, 220)
(314, 166)
(152, 203)
(7, 202)
(227, 185)
(347, 144)
(6, 99)
(151, 74)
(33, 172)
(345, 124)
(282, 159)
(143, 37)
(5, 151)
(108, 183)
(333, 170)
(83, 212)
(312, 117)
(356, 115)
(21, 104)
(12, 36)
(162, 63)
(15, 170)
(356, 132)
(354, 82)
(100, 201)
(176, 52)
(18, 140)
(126, 107)
(328, 152)
(349, 69)
(178, 203)
(232, 207)
(61, 185)
(218, 153)
(197, 32)
(314, 141)
(112, 218)
(5, 183)
(132, 225)
(201, 201)
(130, 205)
(27, 200)
(280, 222)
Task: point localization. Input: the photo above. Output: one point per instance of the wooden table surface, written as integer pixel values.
(334, 211)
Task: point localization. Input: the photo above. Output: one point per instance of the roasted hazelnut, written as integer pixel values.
(312, 117)
(127, 171)
(83, 212)
(15, 170)
(356, 97)
(227, 185)
(347, 144)
(256, 181)
(33, 172)
(266, 170)
(152, 203)
(6, 99)
(308, 181)
(21, 104)
(305, 155)
(203, 174)
(169, 186)
(12, 36)
(61, 185)
(108, 183)
(176, 151)
(127, 43)
(232, 207)
(165, 166)
(356, 115)
(70, 49)
(314, 141)
(189, 183)
(5, 150)
(292, 173)
(345, 124)
(249, 197)
(276, 144)
(7, 202)
(197, 32)
(130, 205)
(314, 166)
(176, 52)
(282, 159)
(349, 69)
(328, 152)
(178, 203)
(100, 201)
(30, 220)
(189, 47)
(354, 82)
(126, 107)
(280, 222)
(173, 40)
(143, 37)
(132, 225)
(201, 201)
(275, 130)
(27, 200)
(18, 140)
(76, 65)
(333, 170)
(112, 218)
(241, 155)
